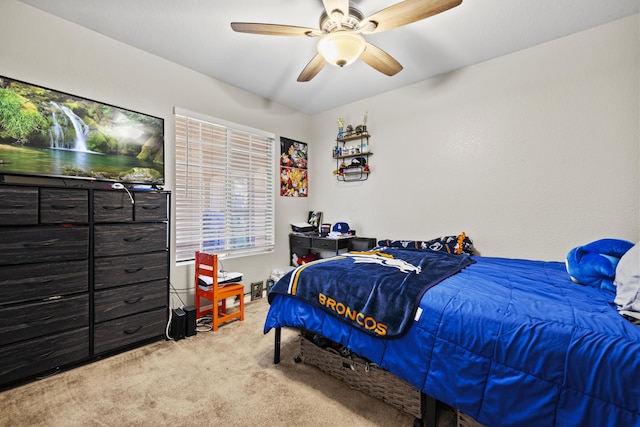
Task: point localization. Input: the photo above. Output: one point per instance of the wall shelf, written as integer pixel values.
(352, 160)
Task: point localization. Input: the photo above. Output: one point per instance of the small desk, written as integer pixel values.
(303, 244)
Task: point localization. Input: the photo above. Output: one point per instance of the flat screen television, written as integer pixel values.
(44, 132)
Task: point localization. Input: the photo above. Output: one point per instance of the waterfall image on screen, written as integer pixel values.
(51, 133)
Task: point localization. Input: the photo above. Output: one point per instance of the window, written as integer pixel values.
(224, 188)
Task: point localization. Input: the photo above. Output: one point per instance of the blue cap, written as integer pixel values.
(340, 227)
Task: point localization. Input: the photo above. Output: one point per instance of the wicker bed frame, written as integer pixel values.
(372, 380)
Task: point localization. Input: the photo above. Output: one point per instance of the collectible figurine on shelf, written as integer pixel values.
(340, 126)
(364, 122)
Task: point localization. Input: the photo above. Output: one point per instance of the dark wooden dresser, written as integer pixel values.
(83, 273)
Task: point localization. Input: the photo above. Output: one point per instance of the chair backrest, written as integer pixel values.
(207, 265)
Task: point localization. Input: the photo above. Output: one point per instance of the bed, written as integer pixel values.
(510, 342)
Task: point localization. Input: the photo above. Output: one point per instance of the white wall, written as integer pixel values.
(531, 154)
(42, 49)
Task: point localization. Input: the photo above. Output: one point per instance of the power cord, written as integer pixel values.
(175, 291)
(167, 333)
(204, 324)
(120, 186)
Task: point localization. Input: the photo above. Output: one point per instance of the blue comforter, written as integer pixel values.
(509, 342)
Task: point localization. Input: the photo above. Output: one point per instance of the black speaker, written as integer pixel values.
(190, 324)
(178, 320)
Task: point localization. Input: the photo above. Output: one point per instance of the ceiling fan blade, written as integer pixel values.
(273, 29)
(380, 60)
(404, 13)
(336, 6)
(312, 69)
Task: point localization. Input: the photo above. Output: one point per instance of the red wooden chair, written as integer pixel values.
(207, 270)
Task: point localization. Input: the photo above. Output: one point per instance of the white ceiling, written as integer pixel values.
(197, 35)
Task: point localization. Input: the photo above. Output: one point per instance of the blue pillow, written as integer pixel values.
(594, 264)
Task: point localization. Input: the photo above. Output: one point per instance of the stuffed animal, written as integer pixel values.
(594, 264)
(298, 261)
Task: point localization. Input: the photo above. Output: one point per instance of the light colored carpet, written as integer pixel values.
(223, 378)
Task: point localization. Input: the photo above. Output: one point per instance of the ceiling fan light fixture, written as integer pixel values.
(341, 47)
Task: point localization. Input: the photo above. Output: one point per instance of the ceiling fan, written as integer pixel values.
(341, 28)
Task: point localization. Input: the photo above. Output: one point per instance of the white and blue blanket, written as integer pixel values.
(377, 291)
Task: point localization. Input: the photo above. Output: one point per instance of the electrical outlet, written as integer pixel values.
(256, 290)
(270, 284)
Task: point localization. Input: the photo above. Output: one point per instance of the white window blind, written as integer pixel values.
(224, 191)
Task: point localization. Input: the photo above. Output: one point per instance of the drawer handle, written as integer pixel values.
(65, 207)
(132, 331)
(39, 244)
(112, 208)
(151, 207)
(40, 319)
(133, 270)
(133, 301)
(42, 356)
(133, 239)
(31, 281)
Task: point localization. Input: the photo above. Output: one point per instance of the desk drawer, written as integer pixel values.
(123, 270)
(20, 245)
(326, 244)
(60, 205)
(123, 239)
(118, 302)
(18, 205)
(129, 330)
(299, 241)
(23, 322)
(362, 243)
(36, 356)
(40, 281)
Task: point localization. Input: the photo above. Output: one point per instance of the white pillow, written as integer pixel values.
(627, 283)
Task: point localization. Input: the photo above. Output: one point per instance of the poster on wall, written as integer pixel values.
(293, 168)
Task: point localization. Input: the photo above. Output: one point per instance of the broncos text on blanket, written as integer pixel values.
(594, 264)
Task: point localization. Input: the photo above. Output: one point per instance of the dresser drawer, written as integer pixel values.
(36, 356)
(61, 205)
(21, 245)
(112, 206)
(18, 205)
(129, 330)
(123, 239)
(150, 206)
(40, 281)
(23, 322)
(118, 302)
(123, 270)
